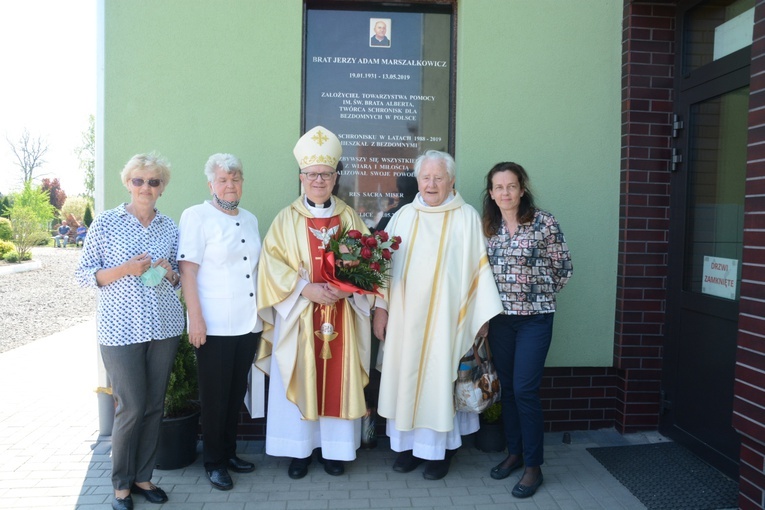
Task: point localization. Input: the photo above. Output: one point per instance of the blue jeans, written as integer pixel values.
(519, 345)
(58, 239)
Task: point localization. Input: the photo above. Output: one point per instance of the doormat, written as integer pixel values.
(666, 476)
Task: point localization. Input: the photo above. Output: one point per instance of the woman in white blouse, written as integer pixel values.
(218, 256)
(129, 256)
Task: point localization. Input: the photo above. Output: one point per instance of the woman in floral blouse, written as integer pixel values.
(531, 264)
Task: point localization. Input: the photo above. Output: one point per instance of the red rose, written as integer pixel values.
(383, 235)
(375, 266)
(366, 253)
(397, 239)
(371, 242)
(386, 254)
(354, 234)
(394, 246)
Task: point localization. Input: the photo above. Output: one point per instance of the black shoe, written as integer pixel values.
(437, 469)
(406, 462)
(333, 467)
(298, 468)
(220, 479)
(153, 495)
(238, 465)
(499, 473)
(125, 503)
(526, 491)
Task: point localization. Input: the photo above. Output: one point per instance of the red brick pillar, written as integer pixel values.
(749, 398)
(648, 53)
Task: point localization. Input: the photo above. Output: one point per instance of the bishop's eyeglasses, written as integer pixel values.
(312, 176)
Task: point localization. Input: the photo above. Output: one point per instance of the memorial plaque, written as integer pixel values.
(381, 82)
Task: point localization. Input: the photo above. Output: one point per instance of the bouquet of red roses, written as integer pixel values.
(357, 262)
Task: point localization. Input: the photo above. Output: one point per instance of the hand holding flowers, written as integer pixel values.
(357, 262)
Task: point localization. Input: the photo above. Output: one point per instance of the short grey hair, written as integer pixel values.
(226, 162)
(448, 160)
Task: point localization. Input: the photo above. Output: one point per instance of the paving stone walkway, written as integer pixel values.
(51, 456)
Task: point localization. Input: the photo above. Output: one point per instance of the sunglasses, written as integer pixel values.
(138, 182)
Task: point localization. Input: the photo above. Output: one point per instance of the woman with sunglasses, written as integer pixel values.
(129, 256)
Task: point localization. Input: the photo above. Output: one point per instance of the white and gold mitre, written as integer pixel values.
(319, 146)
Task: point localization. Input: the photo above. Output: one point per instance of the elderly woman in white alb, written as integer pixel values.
(218, 255)
(442, 292)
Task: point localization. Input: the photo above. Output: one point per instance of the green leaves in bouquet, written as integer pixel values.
(365, 258)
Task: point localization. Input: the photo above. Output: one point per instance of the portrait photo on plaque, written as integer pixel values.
(380, 32)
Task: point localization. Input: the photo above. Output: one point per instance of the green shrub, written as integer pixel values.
(11, 256)
(5, 206)
(28, 231)
(492, 413)
(87, 218)
(6, 229)
(5, 247)
(182, 389)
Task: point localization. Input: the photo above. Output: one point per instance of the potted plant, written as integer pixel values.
(491, 436)
(178, 433)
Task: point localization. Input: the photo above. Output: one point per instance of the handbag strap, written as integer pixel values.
(479, 341)
(482, 341)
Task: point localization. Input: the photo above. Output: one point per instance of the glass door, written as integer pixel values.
(706, 228)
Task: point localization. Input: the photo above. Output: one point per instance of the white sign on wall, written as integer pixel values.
(734, 34)
(720, 277)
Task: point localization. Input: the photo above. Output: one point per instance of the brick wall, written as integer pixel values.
(648, 50)
(749, 399)
(250, 429)
(578, 398)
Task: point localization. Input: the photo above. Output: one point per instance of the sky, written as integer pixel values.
(47, 84)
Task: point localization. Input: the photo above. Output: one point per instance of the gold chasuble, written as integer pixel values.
(324, 375)
(442, 290)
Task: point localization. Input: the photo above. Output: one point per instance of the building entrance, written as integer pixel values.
(706, 228)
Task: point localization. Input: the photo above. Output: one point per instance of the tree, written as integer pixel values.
(57, 195)
(27, 230)
(30, 214)
(5, 207)
(76, 206)
(29, 154)
(37, 200)
(87, 218)
(87, 154)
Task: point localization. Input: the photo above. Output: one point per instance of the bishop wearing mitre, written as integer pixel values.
(316, 338)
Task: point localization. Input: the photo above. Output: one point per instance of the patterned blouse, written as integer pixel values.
(129, 312)
(531, 266)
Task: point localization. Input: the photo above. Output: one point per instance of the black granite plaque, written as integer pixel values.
(380, 81)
